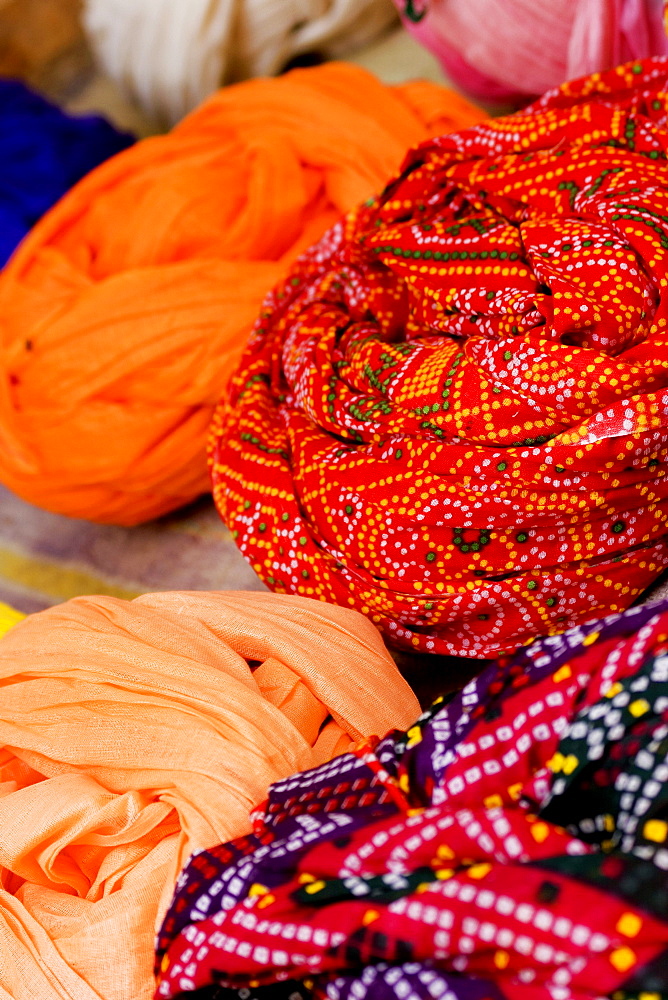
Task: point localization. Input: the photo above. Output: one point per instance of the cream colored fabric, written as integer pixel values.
(131, 734)
(170, 54)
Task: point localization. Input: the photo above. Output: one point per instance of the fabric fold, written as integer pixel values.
(511, 844)
(452, 414)
(128, 306)
(135, 733)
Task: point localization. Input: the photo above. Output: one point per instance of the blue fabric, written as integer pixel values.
(43, 152)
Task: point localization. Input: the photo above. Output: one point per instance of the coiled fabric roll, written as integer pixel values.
(170, 56)
(134, 733)
(453, 414)
(514, 50)
(127, 308)
(512, 844)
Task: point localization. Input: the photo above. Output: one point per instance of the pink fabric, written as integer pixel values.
(510, 50)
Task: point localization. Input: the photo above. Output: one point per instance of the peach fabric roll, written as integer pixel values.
(134, 733)
(127, 307)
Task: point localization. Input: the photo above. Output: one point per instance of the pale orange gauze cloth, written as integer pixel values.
(134, 733)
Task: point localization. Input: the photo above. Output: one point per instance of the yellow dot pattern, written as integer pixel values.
(453, 416)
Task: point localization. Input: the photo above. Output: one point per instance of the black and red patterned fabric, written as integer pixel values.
(512, 844)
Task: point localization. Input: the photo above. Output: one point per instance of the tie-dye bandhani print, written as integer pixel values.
(512, 844)
(453, 415)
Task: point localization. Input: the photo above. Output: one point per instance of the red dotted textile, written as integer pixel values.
(453, 414)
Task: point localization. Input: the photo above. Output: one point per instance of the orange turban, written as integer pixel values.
(128, 306)
(135, 733)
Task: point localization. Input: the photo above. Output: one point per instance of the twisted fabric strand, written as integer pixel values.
(453, 415)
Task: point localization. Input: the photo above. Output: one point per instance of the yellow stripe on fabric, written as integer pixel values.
(54, 581)
(9, 617)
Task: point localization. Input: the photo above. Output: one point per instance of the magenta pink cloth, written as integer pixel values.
(513, 50)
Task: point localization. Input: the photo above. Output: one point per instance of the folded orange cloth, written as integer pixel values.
(127, 307)
(133, 733)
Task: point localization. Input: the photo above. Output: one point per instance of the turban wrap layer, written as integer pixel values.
(525, 48)
(43, 152)
(453, 415)
(128, 306)
(170, 56)
(133, 733)
(9, 617)
(511, 845)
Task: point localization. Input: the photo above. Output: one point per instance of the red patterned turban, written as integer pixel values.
(453, 414)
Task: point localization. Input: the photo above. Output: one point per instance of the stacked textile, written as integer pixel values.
(453, 414)
(128, 306)
(136, 732)
(505, 51)
(43, 153)
(512, 844)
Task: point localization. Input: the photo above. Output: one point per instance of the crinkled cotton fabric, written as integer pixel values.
(453, 414)
(127, 308)
(133, 733)
(43, 153)
(170, 56)
(513, 50)
(512, 844)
